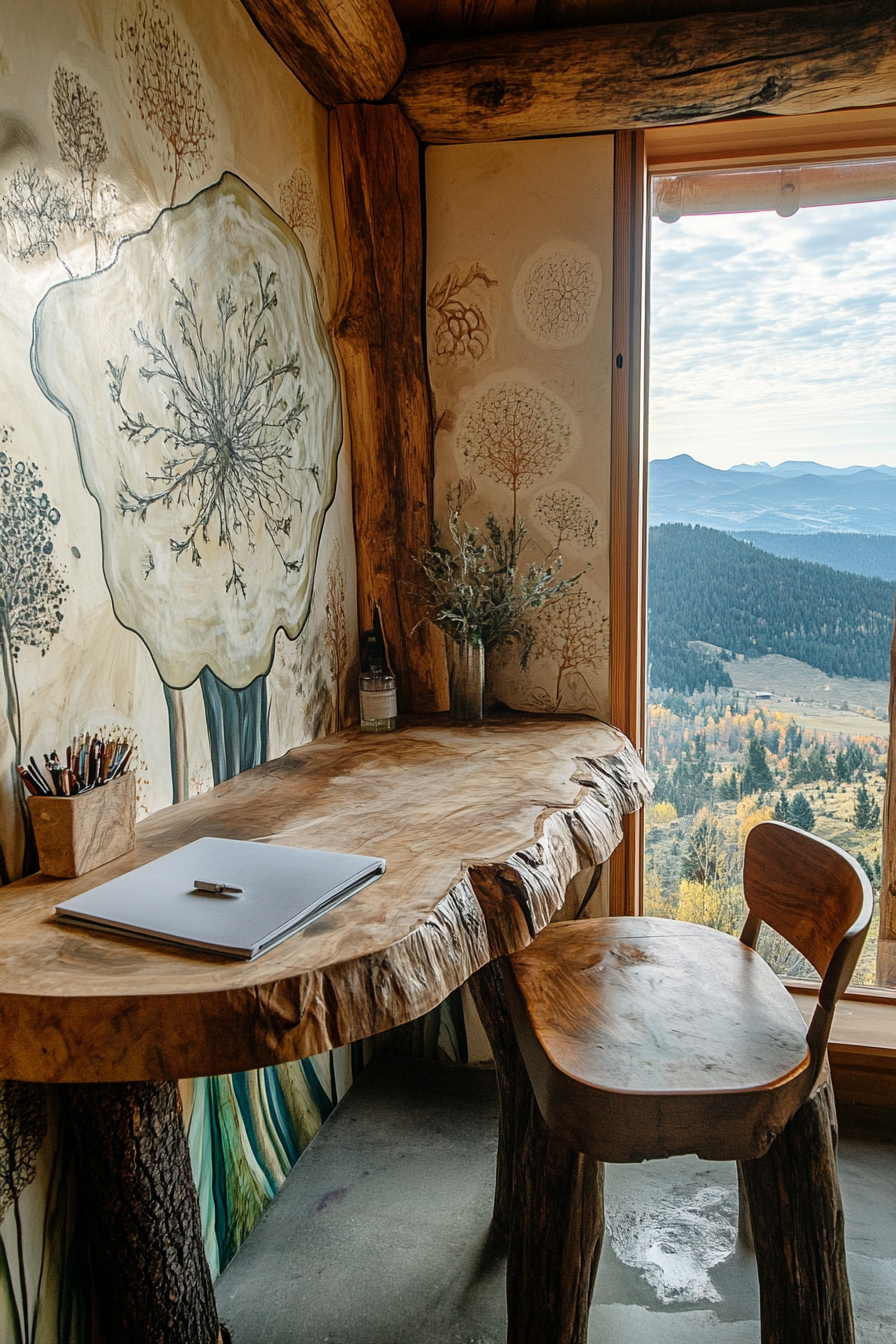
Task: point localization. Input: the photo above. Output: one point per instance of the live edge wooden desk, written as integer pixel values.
(482, 828)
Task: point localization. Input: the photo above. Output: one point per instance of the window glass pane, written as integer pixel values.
(772, 546)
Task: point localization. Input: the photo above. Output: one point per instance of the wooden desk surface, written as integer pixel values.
(482, 828)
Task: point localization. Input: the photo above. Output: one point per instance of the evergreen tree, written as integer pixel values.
(872, 870)
(782, 809)
(705, 860)
(801, 813)
(728, 788)
(757, 777)
(867, 812)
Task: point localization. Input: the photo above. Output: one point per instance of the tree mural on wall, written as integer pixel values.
(43, 212)
(83, 148)
(228, 423)
(165, 83)
(32, 589)
(233, 426)
(462, 328)
(23, 1128)
(336, 633)
(516, 434)
(298, 203)
(572, 634)
(567, 516)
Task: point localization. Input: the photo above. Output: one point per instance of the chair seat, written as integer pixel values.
(646, 1038)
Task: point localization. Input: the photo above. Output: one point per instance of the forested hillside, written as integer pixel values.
(857, 552)
(707, 586)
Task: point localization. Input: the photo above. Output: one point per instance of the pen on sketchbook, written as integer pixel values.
(201, 888)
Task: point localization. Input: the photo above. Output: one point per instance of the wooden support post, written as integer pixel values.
(886, 945)
(377, 206)
(343, 51)
(153, 1284)
(630, 76)
(628, 496)
(796, 1218)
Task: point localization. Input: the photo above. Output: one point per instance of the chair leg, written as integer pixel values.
(556, 1231)
(797, 1222)
(548, 1197)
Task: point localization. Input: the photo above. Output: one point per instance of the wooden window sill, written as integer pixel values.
(862, 1047)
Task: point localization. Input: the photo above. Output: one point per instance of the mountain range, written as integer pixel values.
(794, 497)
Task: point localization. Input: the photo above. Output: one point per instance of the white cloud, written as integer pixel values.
(775, 338)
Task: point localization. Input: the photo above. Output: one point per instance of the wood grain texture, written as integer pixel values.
(886, 947)
(76, 834)
(377, 207)
(556, 1233)
(428, 19)
(647, 1038)
(142, 1214)
(533, 799)
(343, 51)
(817, 897)
(796, 1219)
(631, 76)
(628, 495)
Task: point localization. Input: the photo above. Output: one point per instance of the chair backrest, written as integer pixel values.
(816, 896)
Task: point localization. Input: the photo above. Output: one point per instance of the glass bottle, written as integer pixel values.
(377, 692)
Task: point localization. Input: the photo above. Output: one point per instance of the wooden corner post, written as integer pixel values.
(628, 494)
(378, 215)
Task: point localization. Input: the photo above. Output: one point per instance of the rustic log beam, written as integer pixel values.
(377, 208)
(632, 76)
(343, 51)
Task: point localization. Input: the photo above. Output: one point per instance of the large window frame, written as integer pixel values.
(746, 142)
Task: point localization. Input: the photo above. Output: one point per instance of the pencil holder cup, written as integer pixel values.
(76, 834)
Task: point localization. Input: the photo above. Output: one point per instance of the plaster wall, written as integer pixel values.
(519, 315)
(173, 570)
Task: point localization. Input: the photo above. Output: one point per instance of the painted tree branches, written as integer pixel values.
(234, 417)
(165, 80)
(32, 588)
(44, 212)
(516, 434)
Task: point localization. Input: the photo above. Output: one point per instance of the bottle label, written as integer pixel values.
(378, 705)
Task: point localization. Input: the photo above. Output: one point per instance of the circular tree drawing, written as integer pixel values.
(556, 294)
(567, 515)
(202, 390)
(571, 633)
(516, 434)
(32, 588)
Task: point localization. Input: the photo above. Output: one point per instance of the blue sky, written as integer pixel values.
(775, 338)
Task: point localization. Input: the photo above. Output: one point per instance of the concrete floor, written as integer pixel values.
(381, 1233)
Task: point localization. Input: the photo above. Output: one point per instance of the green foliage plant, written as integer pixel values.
(479, 591)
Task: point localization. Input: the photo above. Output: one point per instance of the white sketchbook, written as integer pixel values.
(282, 891)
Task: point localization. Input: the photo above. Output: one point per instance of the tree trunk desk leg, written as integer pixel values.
(152, 1279)
(797, 1222)
(549, 1197)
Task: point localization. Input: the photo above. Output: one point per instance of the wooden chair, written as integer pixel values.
(645, 1038)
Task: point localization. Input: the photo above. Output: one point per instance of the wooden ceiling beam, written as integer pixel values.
(632, 76)
(343, 51)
